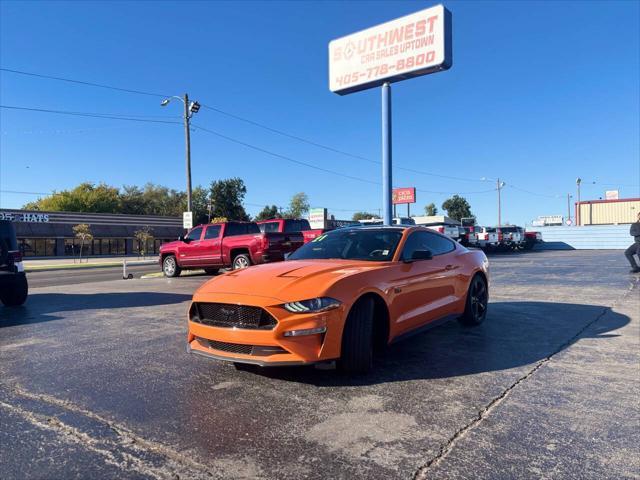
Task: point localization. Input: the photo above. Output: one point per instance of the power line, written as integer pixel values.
(309, 165)
(283, 157)
(249, 121)
(128, 117)
(90, 84)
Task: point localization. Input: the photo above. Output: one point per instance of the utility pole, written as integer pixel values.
(499, 186)
(189, 110)
(578, 216)
(187, 138)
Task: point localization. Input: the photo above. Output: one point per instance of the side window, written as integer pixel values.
(436, 244)
(269, 227)
(213, 231)
(195, 234)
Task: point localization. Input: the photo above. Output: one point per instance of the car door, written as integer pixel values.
(190, 251)
(425, 289)
(211, 246)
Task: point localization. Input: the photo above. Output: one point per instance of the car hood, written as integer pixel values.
(170, 245)
(289, 280)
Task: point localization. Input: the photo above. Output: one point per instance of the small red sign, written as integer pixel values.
(403, 195)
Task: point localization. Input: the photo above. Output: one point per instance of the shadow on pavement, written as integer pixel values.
(514, 334)
(42, 307)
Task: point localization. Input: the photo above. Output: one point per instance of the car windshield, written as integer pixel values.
(373, 245)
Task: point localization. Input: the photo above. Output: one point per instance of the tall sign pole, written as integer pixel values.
(387, 180)
(410, 46)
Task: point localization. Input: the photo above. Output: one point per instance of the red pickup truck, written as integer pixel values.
(222, 245)
(291, 225)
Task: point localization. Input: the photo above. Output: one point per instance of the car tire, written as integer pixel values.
(476, 306)
(240, 261)
(170, 266)
(16, 294)
(357, 339)
(211, 271)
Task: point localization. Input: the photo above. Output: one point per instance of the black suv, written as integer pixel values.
(13, 281)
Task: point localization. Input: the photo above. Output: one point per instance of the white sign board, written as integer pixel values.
(318, 218)
(612, 195)
(550, 220)
(410, 46)
(187, 219)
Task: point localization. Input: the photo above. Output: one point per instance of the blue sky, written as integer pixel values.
(539, 93)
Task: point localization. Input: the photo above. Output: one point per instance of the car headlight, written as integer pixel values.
(321, 304)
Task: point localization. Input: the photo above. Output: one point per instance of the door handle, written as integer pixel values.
(449, 267)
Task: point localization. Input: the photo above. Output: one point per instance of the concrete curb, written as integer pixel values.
(74, 266)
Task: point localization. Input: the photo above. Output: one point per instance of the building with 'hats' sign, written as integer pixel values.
(50, 234)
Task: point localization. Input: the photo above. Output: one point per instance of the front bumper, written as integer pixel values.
(268, 347)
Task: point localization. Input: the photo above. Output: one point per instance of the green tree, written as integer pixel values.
(362, 216)
(144, 236)
(132, 200)
(431, 209)
(268, 212)
(227, 197)
(82, 232)
(86, 197)
(298, 206)
(457, 207)
(199, 205)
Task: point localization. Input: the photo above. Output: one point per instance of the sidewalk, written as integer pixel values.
(90, 262)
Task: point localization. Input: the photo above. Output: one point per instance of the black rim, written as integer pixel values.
(479, 299)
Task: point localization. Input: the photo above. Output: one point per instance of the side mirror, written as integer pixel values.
(184, 239)
(420, 255)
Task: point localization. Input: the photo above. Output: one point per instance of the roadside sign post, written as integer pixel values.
(187, 220)
(410, 46)
(401, 196)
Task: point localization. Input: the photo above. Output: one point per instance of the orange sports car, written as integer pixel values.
(339, 297)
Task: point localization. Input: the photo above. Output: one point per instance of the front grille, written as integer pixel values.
(256, 350)
(231, 347)
(226, 315)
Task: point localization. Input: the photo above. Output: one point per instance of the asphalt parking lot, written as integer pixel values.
(96, 382)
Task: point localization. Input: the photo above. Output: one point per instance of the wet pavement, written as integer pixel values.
(96, 382)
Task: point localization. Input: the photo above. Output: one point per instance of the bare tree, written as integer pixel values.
(143, 236)
(83, 232)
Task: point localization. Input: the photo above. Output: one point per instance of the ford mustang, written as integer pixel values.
(339, 298)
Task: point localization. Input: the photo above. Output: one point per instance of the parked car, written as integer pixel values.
(451, 231)
(531, 239)
(14, 287)
(340, 298)
(222, 245)
(512, 236)
(468, 236)
(488, 238)
(287, 225)
(380, 221)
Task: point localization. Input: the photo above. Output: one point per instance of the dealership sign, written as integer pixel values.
(403, 195)
(612, 195)
(406, 47)
(318, 218)
(25, 217)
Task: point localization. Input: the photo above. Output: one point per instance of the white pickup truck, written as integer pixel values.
(488, 237)
(451, 231)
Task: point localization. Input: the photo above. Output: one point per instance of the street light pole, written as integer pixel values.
(569, 206)
(578, 215)
(189, 110)
(187, 138)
